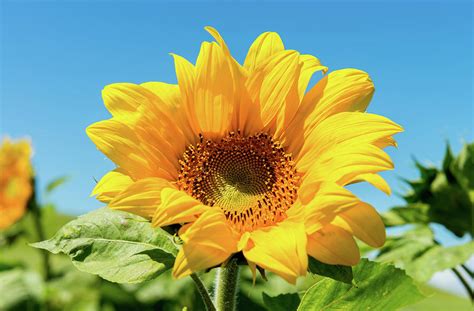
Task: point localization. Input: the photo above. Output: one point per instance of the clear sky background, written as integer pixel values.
(56, 56)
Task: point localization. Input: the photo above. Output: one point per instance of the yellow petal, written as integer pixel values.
(155, 149)
(270, 84)
(334, 246)
(181, 266)
(207, 242)
(376, 180)
(343, 164)
(311, 65)
(253, 269)
(214, 90)
(243, 241)
(245, 115)
(364, 222)
(141, 198)
(288, 109)
(168, 93)
(15, 180)
(214, 33)
(120, 144)
(386, 142)
(249, 116)
(308, 65)
(123, 100)
(266, 45)
(177, 207)
(12, 214)
(276, 85)
(344, 90)
(111, 184)
(161, 134)
(339, 91)
(321, 208)
(185, 74)
(280, 249)
(347, 128)
(171, 103)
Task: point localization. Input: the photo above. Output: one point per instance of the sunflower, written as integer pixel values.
(15, 180)
(246, 161)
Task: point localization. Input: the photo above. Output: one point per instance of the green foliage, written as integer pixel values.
(439, 300)
(9, 236)
(20, 289)
(336, 272)
(438, 258)
(118, 246)
(168, 293)
(401, 215)
(55, 183)
(281, 302)
(444, 195)
(73, 291)
(406, 247)
(417, 252)
(51, 221)
(17, 253)
(252, 294)
(376, 286)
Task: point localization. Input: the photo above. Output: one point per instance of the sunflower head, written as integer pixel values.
(15, 180)
(245, 160)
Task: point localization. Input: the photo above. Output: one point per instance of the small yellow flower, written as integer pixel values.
(15, 180)
(245, 160)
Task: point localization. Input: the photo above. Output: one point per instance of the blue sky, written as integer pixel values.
(57, 56)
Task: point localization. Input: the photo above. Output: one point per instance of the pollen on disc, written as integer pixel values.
(250, 178)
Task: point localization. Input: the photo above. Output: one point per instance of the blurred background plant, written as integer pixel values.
(442, 196)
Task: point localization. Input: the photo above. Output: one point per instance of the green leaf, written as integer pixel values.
(118, 246)
(273, 286)
(440, 300)
(438, 258)
(10, 235)
(417, 252)
(405, 248)
(283, 302)
(52, 185)
(336, 272)
(448, 193)
(463, 166)
(421, 188)
(377, 287)
(449, 205)
(402, 215)
(20, 289)
(448, 159)
(167, 293)
(74, 291)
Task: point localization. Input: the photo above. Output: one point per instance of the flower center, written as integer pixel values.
(250, 178)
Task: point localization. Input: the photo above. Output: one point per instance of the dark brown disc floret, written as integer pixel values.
(250, 178)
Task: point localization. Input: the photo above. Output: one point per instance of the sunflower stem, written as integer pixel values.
(36, 212)
(468, 271)
(226, 287)
(206, 299)
(464, 283)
